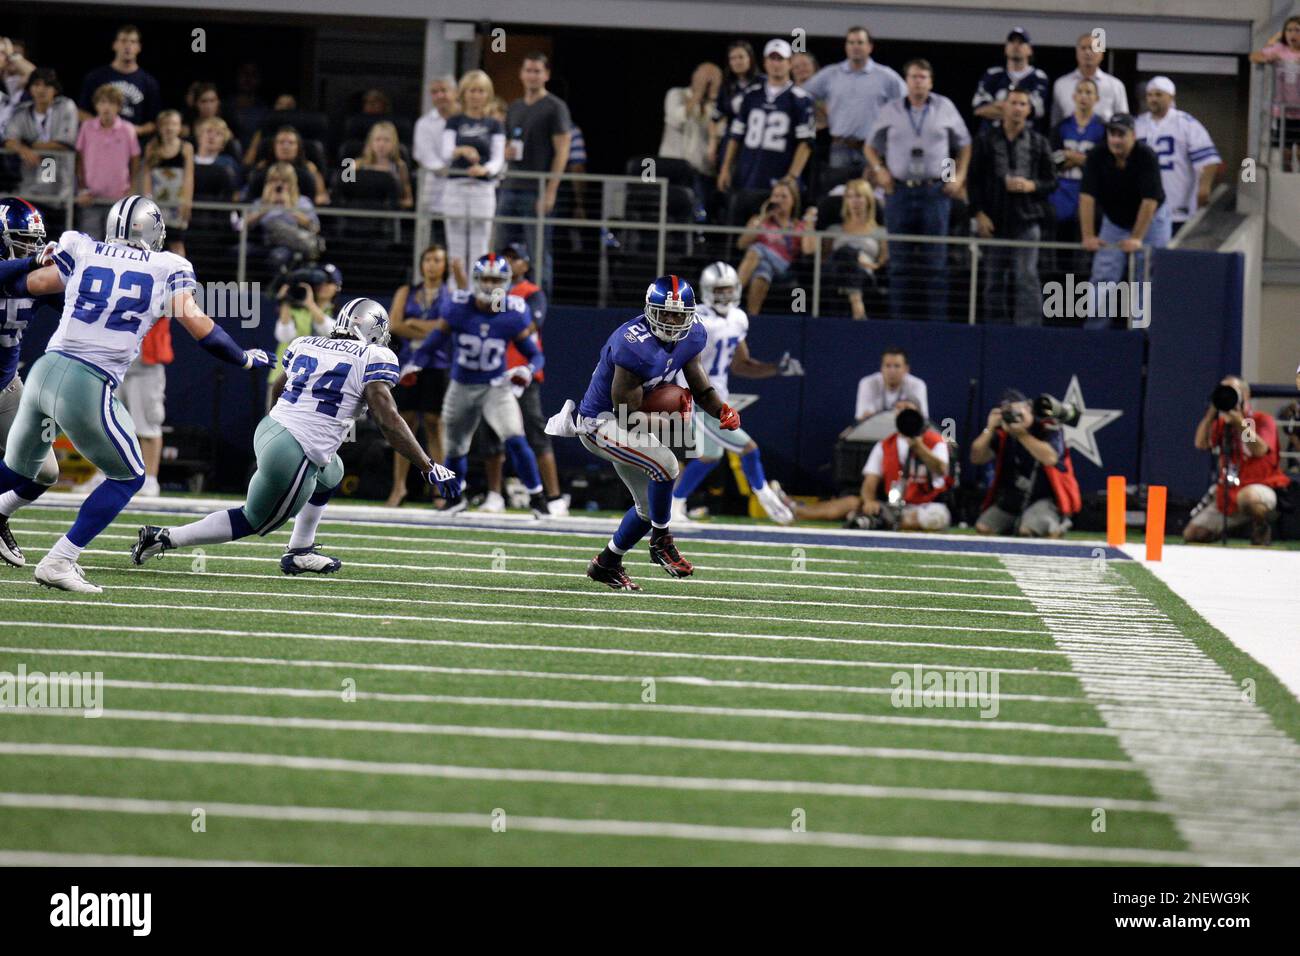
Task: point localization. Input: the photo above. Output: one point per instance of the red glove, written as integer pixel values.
(729, 418)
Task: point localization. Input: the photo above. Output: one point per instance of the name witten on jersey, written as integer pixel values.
(326, 390)
(113, 294)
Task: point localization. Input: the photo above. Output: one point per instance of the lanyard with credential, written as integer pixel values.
(918, 127)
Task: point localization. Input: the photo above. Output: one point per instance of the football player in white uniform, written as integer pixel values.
(726, 352)
(116, 289)
(328, 382)
(1188, 157)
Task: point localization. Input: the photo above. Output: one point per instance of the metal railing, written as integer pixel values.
(1279, 119)
(607, 266)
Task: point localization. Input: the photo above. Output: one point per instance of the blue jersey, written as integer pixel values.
(486, 135)
(1070, 135)
(997, 82)
(480, 337)
(633, 346)
(769, 129)
(14, 316)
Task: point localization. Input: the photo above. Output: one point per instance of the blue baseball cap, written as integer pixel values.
(518, 250)
(1020, 33)
(332, 274)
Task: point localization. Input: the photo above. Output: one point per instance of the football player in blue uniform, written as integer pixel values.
(482, 323)
(639, 356)
(22, 237)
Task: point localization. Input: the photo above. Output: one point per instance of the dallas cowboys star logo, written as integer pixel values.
(1082, 437)
(157, 217)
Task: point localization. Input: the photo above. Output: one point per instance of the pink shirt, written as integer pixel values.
(106, 157)
(787, 247)
(1286, 83)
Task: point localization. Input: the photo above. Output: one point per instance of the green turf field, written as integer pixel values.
(465, 696)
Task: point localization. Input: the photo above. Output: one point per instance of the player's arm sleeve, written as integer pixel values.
(526, 342)
(65, 254)
(287, 359)
(181, 279)
(381, 366)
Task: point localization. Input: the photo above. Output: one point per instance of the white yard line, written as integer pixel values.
(45, 858)
(1226, 816)
(647, 829)
(639, 781)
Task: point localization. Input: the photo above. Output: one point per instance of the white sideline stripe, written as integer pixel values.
(630, 596)
(560, 608)
(47, 858)
(351, 615)
(490, 646)
(1220, 812)
(494, 672)
(621, 828)
(692, 582)
(581, 778)
(274, 539)
(414, 698)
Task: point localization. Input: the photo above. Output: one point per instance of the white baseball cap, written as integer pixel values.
(1161, 83)
(778, 46)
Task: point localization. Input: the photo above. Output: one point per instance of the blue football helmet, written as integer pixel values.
(490, 273)
(363, 319)
(22, 229)
(670, 308)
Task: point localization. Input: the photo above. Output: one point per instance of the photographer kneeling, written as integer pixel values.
(1033, 491)
(1247, 473)
(904, 476)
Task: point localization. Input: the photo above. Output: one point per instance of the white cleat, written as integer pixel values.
(776, 509)
(559, 508)
(493, 504)
(150, 488)
(679, 515)
(65, 576)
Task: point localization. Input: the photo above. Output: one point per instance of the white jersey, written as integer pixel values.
(326, 390)
(113, 294)
(1184, 148)
(726, 332)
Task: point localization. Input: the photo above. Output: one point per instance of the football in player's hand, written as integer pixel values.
(667, 398)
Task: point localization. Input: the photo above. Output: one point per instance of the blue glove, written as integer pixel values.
(256, 358)
(445, 480)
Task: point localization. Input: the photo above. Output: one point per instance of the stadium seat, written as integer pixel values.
(358, 126)
(309, 124)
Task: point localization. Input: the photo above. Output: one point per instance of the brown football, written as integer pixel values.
(666, 398)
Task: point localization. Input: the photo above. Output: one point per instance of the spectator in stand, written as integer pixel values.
(381, 154)
(427, 146)
(474, 145)
(856, 249)
(768, 254)
(419, 395)
(284, 103)
(287, 220)
(213, 136)
(742, 71)
(998, 80)
(1188, 158)
(802, 68)
(538, 135)
(530, 403)
(1072, 140)
(108, 159)
(376, 103)
(771, 135)
(306, 306)
(206, 104)
(1121, 181)
(249, 107)
(853, 91)
(1283, 51)
(1112, 98)
(911, 153)
(687, 123)
(1011, 175)
(882, 391)
(1247, 470)
(167, 177)
(287, 148)
(1033, 493)
(144, 393)
(141, 97)
(15, 72)
(575, 193)
(47, 122)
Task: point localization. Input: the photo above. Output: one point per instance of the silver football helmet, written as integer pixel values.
(362, 319)
(136, 221)
(719, 286)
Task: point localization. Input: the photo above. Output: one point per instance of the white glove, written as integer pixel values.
(46, 255)
(790, 365)
(256, 358)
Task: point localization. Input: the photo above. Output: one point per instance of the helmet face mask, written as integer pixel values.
(136, 221)
(21, 228)
(719, 286)
(670, 308)
(364, 320)
(490, 280)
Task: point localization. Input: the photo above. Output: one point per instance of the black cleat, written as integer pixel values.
(299, 560)
(538, 506)
(615, 578)
(9, 550)
(455, 505)
(151, 543)
(665, 554)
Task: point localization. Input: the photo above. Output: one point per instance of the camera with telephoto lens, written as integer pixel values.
(1225, 398)
(1062, 413)
(298, 279)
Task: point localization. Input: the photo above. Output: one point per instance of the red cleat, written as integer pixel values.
(665, 554)
(615, 578)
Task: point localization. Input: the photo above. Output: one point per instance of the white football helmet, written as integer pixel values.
(362, 319)
(719, 286)
(136, 221)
